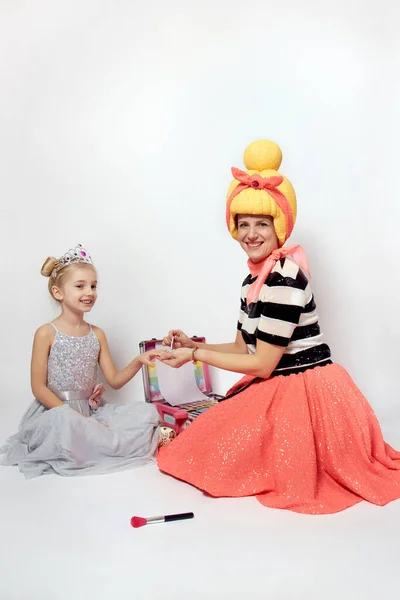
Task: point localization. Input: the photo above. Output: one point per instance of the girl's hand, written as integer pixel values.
(177, 358)
(181, 340)
(147, 358)
(95, 398)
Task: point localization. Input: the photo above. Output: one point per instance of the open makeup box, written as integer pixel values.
(178, 413)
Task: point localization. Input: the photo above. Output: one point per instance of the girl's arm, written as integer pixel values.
(117, 379)
(40, 354)
(181, 340)
(260, 364)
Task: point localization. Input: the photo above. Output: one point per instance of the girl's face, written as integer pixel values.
(256, 235)
(78, 291)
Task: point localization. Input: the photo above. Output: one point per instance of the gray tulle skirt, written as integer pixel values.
(60, 440)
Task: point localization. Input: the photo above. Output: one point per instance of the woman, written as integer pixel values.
(295, 432)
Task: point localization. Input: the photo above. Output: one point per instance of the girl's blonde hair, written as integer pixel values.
(56, 281)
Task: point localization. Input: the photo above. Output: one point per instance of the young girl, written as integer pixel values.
(295, 432)
(65, 430)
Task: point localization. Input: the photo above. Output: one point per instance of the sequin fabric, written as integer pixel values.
(72, 364)
(308, 442)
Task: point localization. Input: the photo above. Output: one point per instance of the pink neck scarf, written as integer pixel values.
(262, 269)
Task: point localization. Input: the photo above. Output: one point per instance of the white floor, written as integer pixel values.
(71, 539)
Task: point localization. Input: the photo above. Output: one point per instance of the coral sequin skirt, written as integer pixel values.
(307, 442)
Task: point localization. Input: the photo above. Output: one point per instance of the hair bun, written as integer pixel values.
(262, 155)
(48, 266)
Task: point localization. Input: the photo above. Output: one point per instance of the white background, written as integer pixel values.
(119, 122)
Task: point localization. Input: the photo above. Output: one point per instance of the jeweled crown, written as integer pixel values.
(73, 255)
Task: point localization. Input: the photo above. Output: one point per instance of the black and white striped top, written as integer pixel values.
(284, 315)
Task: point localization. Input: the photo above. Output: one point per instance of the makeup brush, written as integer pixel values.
(140, 521)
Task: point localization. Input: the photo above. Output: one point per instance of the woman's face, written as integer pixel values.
(256, 235)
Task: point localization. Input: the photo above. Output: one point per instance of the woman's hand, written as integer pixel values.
(181, 340)
(177, 358)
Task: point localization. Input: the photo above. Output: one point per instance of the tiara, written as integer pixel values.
(73, 255)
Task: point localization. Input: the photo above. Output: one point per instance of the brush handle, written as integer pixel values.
(167, 518)
(179, 517)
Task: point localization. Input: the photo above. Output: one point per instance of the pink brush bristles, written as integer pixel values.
(138, 522)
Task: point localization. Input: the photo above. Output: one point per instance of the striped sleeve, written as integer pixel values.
(245, 287)
(241, 314)
(282, 301)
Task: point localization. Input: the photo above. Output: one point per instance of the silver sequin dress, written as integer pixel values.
(60, 440)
